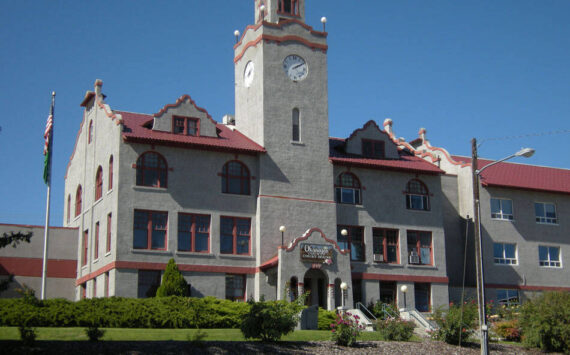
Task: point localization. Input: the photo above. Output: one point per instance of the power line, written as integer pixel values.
(528, 135)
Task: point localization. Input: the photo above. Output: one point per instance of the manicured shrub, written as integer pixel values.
(395, 329)
(270, 320)
(346, 329)
(378, 310)
(545, 322)
(326, 318)
(94, 333)
(173, 283)
(507, 329)
(452, 326)
(27, 335)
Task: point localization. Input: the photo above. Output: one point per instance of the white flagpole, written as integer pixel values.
(46, 229)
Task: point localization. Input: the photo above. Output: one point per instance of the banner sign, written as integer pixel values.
(316, 253)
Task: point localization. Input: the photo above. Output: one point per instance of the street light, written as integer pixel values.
(525, 152)
(343, 287)
(282, 229)
(404, 290)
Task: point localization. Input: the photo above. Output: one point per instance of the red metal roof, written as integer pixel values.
(522, 176)
(134, 130)
(406, 162)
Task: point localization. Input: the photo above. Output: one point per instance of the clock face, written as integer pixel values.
(248, 74)
(295, 67)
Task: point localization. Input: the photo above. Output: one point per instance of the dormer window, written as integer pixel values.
(188, 126)
(373, 149)
(289, 7)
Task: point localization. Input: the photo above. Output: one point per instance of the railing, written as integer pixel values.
(421, 319)
(388, 311)
(365, 310)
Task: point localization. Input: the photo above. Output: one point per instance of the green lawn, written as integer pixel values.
(125, 334)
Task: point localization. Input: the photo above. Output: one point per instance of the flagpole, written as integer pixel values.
(48, 181)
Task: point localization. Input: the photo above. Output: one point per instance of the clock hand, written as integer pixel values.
(297, 66)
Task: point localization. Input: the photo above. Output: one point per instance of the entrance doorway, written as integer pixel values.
(315, 282)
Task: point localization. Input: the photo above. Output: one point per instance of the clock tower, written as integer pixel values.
(281, 100)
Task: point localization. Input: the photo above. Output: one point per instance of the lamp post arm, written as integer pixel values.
(479, 171)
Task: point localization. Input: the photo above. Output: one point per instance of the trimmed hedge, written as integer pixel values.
(117, 312)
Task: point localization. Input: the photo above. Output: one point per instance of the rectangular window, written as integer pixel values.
(501, 209)
(193, 232)
(148, 282)
(94, 287)
(85, 248)
(422, 295)
(388, 292)
(106, 284)
(385, 245)
(353, 241)
(185, 125)
(549, 256)
(505, 253)
(545, 213)
(508, 297)
(96, 246)
(83, 291)
(235, 287)
(150, 229)
(420, 248)
(109, 226)
(235, 235)
(373, 148)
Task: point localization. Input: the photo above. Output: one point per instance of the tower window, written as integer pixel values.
(289, 7)
(296, 136)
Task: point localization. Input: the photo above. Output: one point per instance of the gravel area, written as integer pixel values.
(426, 347)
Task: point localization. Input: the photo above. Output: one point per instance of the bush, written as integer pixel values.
(94, 333)
(395, 329)
(507, 329)
(451, 327)
(545, 322)
(326, 318)
(378, 310)
(173, 283)
(27, 335)
(270, 320)
(346, 329)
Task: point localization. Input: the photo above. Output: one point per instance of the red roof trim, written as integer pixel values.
(191, 145)
(395, 165)
(279, 40)
(274, 261)
(178, 102)
(107, 110)
(88, 96)
(365, 127)
(281, 24)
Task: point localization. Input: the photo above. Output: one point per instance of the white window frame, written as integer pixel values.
(504, 260)
(509, 294)
(544, 219)
(500, 215)
(548, 262)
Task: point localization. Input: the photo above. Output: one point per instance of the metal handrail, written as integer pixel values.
(387, 311)
(365, 310)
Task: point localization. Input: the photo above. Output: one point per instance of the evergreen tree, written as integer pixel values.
(173, 283)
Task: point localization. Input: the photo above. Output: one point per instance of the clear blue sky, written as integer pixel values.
(461, 69)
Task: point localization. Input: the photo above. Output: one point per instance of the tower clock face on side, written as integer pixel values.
(295, 67)
(248, 74)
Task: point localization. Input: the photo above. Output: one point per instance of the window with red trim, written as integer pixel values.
(353, 241)
(99, 183)
(373, 148)
(90, 138)
(193, 232)
(68, 208)
(78, 201)
(348, 189)
(151, 170)
(235, 178)
(417, 196)
(235, 235)
(289, 7)
(150, 230)
(96, 246)
(385, 245)
(83, 291)
(420, 248)
(109, 226)
(235, 287)
(110, 173)
(188, 126)
(85, 248)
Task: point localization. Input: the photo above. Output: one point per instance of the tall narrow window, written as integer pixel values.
(110, 173)
(420, 248)
(150, 229)
(417, 195)
(109, 226)
(353, 241)
(85, 248)
(90, 138)
(385, 245)
(151, 170)
(235, 178)
(235, 235)
(422, 295)
(347, 189)
(78, 201)
(296, 136)
(96, 246)
(107, 284)
(94, 293)
(289, 7)
(193, 232)
(99, 183)
(68, 208)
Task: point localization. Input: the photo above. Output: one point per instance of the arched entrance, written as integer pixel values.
(315, 281)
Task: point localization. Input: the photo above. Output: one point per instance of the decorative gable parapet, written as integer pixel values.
(185, 108)
(370, 132)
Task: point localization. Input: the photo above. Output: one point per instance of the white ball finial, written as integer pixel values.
(262, 8)
(236, 33)
(344, 232)
(404, 288)
(282, 229)
(343, 286)
(323, 19)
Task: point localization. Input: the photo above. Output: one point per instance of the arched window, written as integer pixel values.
(151, 170)
(348, 189)
(90, 138)
(235, 178)
(110, 187)
(78, 201)
(68, 208)
(296, 136)
(417, 195)
(99, 183)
